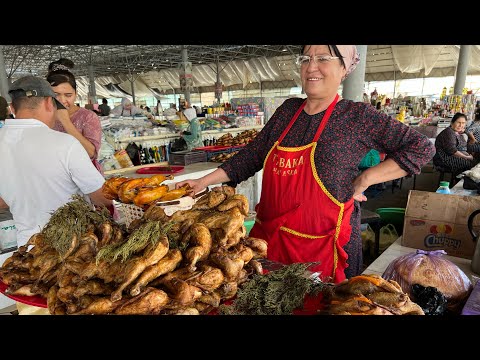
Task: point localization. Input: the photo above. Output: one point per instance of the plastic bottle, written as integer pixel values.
(444, 187)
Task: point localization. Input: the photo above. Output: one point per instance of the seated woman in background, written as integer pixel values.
(453, 153)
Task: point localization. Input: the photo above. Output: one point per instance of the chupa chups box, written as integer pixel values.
(439, 221)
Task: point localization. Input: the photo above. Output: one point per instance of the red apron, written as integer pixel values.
(296, 215)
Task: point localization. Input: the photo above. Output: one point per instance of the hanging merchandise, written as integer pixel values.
(444, 93)
(133, 151)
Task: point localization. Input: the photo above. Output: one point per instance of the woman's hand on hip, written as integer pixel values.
(358, 190)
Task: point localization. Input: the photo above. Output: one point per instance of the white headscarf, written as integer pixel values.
(351, 57)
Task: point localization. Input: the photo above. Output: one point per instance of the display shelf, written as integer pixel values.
(175, 136)
(148, 137)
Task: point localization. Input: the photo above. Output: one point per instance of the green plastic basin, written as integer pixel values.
(394, 216)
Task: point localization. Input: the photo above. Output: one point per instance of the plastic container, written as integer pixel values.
(394, 216)
(123, 159)
(444, 187)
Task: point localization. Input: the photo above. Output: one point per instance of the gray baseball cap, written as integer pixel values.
(28, 86)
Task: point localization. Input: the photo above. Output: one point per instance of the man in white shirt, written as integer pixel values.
(41, 168)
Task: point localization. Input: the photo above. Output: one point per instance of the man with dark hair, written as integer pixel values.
(41, 168)
(104, 108)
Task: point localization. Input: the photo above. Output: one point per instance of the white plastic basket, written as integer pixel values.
(132, 212)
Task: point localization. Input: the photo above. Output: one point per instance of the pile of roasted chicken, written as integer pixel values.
(369, 295)
(211, 258)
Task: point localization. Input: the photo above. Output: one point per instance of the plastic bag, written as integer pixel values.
(432, 301)
(368, 241)
(429, 268)
(388, 235)
(179, 145)
(8, 235)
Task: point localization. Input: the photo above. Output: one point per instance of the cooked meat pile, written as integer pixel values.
(369, 295)
(189, 268)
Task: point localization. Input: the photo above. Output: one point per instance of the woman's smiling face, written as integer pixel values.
(320, 79)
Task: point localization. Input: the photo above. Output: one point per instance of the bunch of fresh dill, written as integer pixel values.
(278, 292)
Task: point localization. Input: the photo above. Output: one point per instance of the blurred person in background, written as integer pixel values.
(188, 111)
(104, 108)
(4, 109)
(126, 108)
(309, 151)
(81, 123)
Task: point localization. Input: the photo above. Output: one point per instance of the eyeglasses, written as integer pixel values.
(317, 59)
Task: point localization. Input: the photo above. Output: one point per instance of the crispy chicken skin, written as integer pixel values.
(166, 265)
(200, 243)
(135, 266)
(150, 302)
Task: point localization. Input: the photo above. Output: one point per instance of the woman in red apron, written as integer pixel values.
(292, 236)
(309, 151)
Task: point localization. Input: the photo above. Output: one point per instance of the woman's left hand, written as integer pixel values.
(359, 197)
(358, 190)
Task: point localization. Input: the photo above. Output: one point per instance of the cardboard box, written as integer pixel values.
(439, 221)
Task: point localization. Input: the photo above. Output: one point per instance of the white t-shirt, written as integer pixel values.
(190, 113)
(40, 171)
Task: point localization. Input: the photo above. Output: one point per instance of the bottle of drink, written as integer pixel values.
(444, 187)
